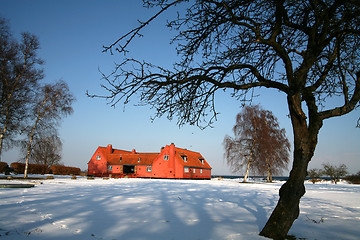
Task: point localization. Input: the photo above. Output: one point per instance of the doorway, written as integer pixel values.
(129, 169)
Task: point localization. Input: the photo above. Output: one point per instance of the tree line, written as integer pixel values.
(30, 109)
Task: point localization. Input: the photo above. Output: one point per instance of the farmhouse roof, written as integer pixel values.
(193, 159)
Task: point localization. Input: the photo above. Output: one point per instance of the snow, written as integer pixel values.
(169, 209)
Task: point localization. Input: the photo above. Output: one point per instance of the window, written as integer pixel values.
(186, 169)
(193, 170)
(139, 159)
(166, 157)
(201, 171)
(148, 169)
(109, 168)
(120, 158)
(184, 158)
(98, 157)
(201, 160)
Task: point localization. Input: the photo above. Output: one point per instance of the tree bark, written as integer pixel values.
(2, 136)
(305, 141)
(28, 149)
(247, 169)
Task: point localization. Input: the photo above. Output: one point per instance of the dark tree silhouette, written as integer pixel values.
(258, 143)
(309, 50)
(19, 76)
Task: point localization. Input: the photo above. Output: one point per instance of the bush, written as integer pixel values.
(354, 179)
(3, 166)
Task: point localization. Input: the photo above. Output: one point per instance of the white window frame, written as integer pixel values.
(186, 169)
(110, 168)
(166, 157)
(194, 170)
(98, 157)
(148, 169)
(201, 171)
(184, 157)
(202, 160)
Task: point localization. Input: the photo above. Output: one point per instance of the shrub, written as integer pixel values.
(354, 179)
(3, 166)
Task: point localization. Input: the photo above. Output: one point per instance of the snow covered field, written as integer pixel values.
(170, 209)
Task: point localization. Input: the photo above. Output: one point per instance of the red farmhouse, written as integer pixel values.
(171, 162)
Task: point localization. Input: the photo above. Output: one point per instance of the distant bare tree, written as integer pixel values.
(52, 103)
(46, 151)
(259, 143)
(335, 173)
(314, 174)
(19, 76)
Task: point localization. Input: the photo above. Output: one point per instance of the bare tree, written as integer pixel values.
(259, 143)
(19, 74)
(52, 103)
(315, 174)
(335, 173)
(46, 150)
(309, 50)
(274, 146)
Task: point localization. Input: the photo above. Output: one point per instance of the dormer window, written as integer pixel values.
(98, 157)
(202, 160)
(184, 157)
(166, 157)
(120, 158)
(139, 159)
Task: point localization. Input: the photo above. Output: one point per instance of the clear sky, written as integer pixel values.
(72, 34)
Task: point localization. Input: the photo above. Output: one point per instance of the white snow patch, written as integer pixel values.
(170, 209)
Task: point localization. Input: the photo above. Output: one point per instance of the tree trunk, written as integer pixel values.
(2, 136)
(247, 169)
(305, 141)
(28, 149)
(268, 175)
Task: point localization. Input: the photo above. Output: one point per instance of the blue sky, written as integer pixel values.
(72, 34)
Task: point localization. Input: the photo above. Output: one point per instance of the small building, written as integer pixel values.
(171, 162)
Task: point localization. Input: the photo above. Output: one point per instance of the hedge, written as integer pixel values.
(3, 166)
(63, 170)
(42, 169)
(32, 168)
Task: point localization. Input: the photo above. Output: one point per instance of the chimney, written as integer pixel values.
(133, 151)
(109, 148)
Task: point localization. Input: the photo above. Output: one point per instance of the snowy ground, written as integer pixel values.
(170, 209)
